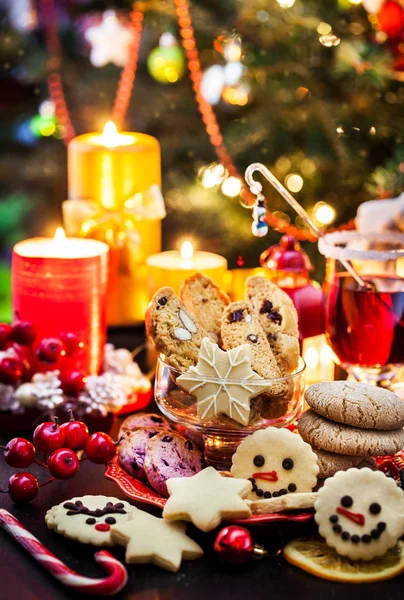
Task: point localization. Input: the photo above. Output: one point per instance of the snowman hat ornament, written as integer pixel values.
(360, 513)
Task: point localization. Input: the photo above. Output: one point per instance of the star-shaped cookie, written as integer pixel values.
(223, 382)
(149, 539)
(206, 499)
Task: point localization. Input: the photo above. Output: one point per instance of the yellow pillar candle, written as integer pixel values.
(110, 168)
(171, 268)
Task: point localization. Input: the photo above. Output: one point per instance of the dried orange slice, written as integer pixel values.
(314, 556)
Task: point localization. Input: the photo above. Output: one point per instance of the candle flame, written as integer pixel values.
(187, 251)
(59, 234)
(110, 136)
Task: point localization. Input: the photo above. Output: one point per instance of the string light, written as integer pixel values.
(308, 167)
(212, 175)
(231, 187)
(324, 28)
(294, 182)
(324, 213)
(285, 3)
(329, 40)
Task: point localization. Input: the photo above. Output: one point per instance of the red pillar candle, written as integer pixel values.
(59, 285)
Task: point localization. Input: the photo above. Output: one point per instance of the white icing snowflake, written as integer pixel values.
(223, 382)
(110, 41)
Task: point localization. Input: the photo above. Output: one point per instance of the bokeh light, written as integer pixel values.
(212, 175)
(231, 187)
(324, 213)
(294, 182)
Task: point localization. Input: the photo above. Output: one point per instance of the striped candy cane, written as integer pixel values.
(117, 574)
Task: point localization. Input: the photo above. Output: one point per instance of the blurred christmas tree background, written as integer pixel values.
(314, 90)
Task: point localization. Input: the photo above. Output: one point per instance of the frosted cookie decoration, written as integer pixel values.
(277, 462)
(223, 382)
(360, 513)
(88, 519)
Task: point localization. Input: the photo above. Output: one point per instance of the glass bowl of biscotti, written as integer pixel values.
(226, 368)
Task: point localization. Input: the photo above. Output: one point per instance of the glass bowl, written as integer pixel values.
(221, 435)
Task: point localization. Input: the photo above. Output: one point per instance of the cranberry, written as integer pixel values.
(11, 370)
(22, 487)
(76, 434)
(19, 453)
(71, 342)
(50, 350)
(63, 463)
(48, 436)
(73, 382)
(23, 332)
(5, 335)
(100, 448)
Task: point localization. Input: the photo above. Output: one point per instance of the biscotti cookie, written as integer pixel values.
(278, 318)
(206, 301)
(169, 455)
(141, 420)
(173, 330)
(356, 404)
(132, 451)
(344, 439)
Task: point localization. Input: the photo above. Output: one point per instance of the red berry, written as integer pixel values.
(11, 370)
(71, 341)
(76, 434)
(19, 453)
(63, 463)
(5, 335)
(100, 448)
(23, 332)
(48, 437)
(72, 382)
(22, 487)
(50, 350)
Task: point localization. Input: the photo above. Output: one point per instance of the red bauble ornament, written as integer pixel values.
(234, 545)
(73, 382)
(71, 342)
(5, 335)
(50, 351)
(48, 437)
(23, 332)
(19, 453)
(76, 434)
(100, 448)
(63, 463)
(11, 370)
(22, 487)
(391, 19)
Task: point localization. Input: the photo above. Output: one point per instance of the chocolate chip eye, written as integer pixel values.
(110, 520)
(90, 521)
(259, 460)
(346, 501)
(288, 464)
(375, 508)
(162, 301)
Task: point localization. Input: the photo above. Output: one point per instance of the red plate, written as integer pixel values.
(136, 490)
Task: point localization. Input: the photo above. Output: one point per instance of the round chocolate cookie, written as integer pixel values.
(169, 455)
(343, 439)
(356, 404)
(330, 462)
(132, 451)
(140, 420)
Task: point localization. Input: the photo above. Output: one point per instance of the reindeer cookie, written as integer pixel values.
(88, 519)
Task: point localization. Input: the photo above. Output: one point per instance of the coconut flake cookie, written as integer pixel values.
(206, 301)
(360, 513)
(174, 331)
(88, 519)
(277, 462)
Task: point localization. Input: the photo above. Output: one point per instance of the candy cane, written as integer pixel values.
(108, 586)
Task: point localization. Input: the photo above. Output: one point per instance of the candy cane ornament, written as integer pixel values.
(117, 574)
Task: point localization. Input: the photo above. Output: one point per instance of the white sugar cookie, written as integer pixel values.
(360, 513)
(277, 462)
(88, 519)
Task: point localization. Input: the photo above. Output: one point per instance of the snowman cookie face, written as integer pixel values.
(277, 462)
(88, 519)
(360, 513)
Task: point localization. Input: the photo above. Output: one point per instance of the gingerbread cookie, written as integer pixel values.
(344, 439)
(206, 301)
(223, 382)
(356, 404)
(278, 318)
(88, 519)
(277, 462)
(360, 513)
(206, 499)
(174, 331)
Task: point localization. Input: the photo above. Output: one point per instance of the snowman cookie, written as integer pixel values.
(88, 519)
(277, 462)
(360, 513)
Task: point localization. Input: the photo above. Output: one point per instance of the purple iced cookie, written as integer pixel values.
(168, 455)
(140, 420)
(132, 451)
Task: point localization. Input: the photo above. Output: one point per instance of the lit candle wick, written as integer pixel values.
(110, 135)
(187, 252)
(60, 235)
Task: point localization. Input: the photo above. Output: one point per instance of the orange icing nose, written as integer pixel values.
(357, 518)
(266, 475)
(102, 527)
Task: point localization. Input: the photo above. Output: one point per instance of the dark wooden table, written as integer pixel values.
(21, 578)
